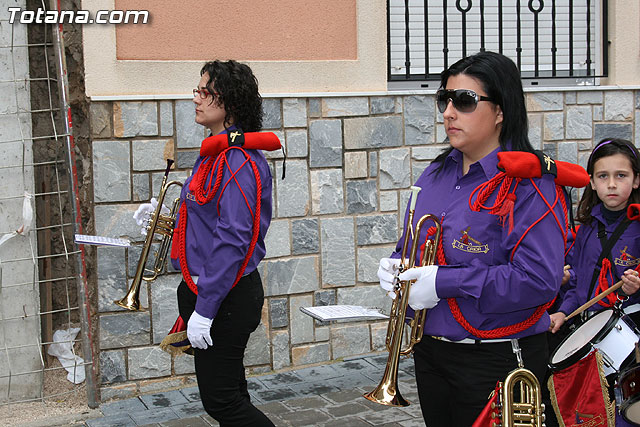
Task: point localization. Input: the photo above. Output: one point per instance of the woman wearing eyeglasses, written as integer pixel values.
(219, 240)
(500, 259)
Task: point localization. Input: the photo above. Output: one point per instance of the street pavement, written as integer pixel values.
(326, 395)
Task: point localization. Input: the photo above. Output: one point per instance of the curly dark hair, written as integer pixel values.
(607, 147)
(237, 90)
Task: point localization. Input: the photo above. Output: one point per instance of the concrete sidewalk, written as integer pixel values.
(325, 395)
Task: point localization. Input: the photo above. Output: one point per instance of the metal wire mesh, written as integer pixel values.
(40, 266)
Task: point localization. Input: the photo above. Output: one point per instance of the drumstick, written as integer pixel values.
(594, 300)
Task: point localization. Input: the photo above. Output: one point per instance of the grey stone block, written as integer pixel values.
(394, 168)
(135, 119)
(152, 154)
(326, 191)
(277, 154)
(112, 366)
(336, 247)
(612, 130)
(166, 118)
(111, 176)
(568, 152)
(368, 260)
(189, 416)
(141, 187)
(371, 296)
(124, 330)
(112, 279)
(310, 353)
(148, 362)
(301, 323)
(355, 164)
(310, 389)
(279, 312)
(277, 240)
(292, 193)
(186, 159)
(598, 113)
(281, 348)
(272, 115)
(372, 132)
(117, 221)
(416, 169)
(183, 364)
(535, 130)
(297, 145)
(189, 134)
(419, 119)
(551, 149)
(570, 98)
(382, 104)
(590, 97)
(553, 126)
(291, 276)
(100, 119)
(283, 379)
(373, 164)
(193, 393)
(275, 395)
(120, 420)
(315, 107)
(325, 143)
(327, 297)
(305, 236)
(258, 351)
(373, 230)
(544, 101)
(120, 392)
(388, 201)
(618, 105)
(426, 153)
(294, 112)
(362, 196)
(345, 106)
(164, 305)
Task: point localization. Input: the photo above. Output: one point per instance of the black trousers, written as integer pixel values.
(220, 368)
(455, 380)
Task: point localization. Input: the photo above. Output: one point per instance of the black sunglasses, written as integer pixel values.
(464, 100)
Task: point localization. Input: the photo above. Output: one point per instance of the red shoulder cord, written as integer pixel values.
(503, 207)
(205, 193)
(603, 284)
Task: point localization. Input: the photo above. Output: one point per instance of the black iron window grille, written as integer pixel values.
(552, 42)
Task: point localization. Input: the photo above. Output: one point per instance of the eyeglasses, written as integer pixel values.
(202, 93)
(464, 100)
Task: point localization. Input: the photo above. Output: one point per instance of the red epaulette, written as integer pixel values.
(522, 164)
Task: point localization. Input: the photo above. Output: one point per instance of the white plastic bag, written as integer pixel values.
(61, 348)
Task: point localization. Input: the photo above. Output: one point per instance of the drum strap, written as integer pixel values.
(607, 245)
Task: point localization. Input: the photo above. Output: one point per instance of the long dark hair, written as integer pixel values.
(500, 79)
(607, 147)
(237, 89)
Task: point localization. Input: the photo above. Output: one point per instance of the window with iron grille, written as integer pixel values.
(553, 42)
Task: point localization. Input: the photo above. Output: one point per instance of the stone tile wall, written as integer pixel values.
(350, 162)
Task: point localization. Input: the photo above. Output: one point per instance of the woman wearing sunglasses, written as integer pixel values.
(501, 255)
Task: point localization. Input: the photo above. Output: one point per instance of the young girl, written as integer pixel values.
(607, 245)
(614, 168)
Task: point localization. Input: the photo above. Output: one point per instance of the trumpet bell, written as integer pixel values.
(130, 302)
(387, 394)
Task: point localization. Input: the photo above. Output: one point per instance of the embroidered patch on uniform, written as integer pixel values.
(191, 196)
(469, 244)
(626, 260)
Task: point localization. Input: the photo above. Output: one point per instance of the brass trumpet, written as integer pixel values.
(525, 410)
(162, 225)
(387, 392)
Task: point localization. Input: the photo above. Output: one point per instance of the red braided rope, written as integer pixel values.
(603, 284)
(483, 192)
(204, 195)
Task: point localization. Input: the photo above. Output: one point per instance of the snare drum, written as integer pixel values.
(628, 394)
(610, 331)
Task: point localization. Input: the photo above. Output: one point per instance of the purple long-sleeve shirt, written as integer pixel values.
(625, 255)
(492, 290)
(217, 243)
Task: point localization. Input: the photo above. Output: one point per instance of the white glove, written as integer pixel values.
(387, 271)
(199, 331)
(144, 212)
(422, 293)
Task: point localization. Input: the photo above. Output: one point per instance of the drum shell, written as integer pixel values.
(617, 327)
(628, 393)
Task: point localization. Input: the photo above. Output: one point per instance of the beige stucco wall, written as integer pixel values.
(108, 76)
(624, 47)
